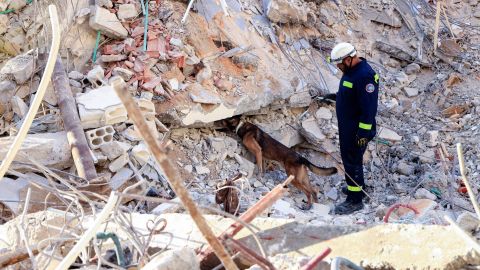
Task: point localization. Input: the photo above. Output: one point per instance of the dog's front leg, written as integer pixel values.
(252, 145)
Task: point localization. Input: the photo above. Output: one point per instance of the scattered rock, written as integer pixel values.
(432, 137)
(411, 92)
(224, 85)
(125, 74)
(114, 149)
(286, 11)
(405, 169)
(312, 132)
(20, 68)
(423, 193)
(106, 22)
(412, 68)
(127, 11)
(19, 107)
(332, 194)
(200, 95)
(75, 75)
(119, 163)
(388, 134)
(324, 113)
(202, 169)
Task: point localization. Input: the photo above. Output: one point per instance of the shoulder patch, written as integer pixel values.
(370, 88)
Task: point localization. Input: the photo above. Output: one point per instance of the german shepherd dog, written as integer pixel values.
(262, 146)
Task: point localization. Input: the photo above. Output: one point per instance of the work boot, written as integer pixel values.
(348, 207)
(344, 190)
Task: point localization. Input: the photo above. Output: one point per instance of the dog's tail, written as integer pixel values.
(318, 170)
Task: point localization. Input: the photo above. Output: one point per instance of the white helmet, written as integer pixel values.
(341, 51)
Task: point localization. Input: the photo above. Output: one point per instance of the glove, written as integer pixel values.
(362, 137)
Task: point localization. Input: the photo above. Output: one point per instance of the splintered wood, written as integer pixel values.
(172, 175)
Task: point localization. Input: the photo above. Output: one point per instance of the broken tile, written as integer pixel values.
(114, 149)
(120, 178)
(113, 58)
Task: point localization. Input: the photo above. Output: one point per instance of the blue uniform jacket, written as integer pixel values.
(357, 101)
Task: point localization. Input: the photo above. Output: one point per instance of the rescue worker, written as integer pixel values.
(356, 107)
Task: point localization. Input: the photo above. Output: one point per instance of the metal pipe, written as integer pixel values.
(71, 121)
(249, 254)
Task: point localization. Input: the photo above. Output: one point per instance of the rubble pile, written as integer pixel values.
(188, 65)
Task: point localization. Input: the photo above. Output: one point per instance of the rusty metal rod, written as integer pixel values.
(71, 121)
(248, 253)
(172, 175)
(206, 257)
(316, 260)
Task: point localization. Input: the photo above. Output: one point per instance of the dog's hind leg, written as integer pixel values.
(252, 145)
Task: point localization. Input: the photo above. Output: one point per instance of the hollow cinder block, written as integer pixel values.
(99, 136)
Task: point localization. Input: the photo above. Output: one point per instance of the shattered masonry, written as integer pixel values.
(85, 163)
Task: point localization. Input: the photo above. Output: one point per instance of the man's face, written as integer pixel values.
(345, 64)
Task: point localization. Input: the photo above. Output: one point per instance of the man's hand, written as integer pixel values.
(362, 137)
(362, 142)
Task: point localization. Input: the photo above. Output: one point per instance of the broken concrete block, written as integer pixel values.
(49, 149)
(125, 74)
(19, 68)
(127, 11)
(18, 106)
(324, 113)
(312, 132)
(183, 258)
(140, 153)
(103, 20)
(288, 136)
(96, 76)
(100, 136)
(299, 100)
(468, 222)
(114, 149)
(120, 178)
(285, 11)
(388, 134)
(201, 95)
(410, 91)
(100, 107)
(119, 163)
